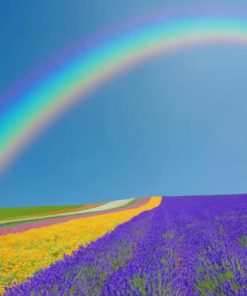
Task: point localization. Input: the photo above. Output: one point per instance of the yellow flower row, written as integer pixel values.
(23, 254)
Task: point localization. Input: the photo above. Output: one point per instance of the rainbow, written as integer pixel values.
(61, 88)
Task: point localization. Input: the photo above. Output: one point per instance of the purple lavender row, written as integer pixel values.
(195, 246)
(86, 271)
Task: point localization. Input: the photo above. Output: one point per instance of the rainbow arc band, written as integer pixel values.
(60, 90)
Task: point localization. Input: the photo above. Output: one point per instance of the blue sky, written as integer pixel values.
(172, 126)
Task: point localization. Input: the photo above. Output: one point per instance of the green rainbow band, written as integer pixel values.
(63, 88)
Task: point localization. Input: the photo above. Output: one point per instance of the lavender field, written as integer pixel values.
(185, 246)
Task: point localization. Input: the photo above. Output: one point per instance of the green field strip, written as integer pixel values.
(37, 218)
(26, 212)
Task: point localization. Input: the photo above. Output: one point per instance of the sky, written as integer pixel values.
(175, 125)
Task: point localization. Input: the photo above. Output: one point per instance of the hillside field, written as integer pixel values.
(152, 246)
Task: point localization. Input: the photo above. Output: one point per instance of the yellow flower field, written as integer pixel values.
(23, 254)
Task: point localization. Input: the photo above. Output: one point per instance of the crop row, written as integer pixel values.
(23, 254)
(195, 246)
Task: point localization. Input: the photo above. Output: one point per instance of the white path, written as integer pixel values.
(109, 206)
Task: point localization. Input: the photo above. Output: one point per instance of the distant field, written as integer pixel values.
(61, 216)
(29, 212)
(11, 216)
